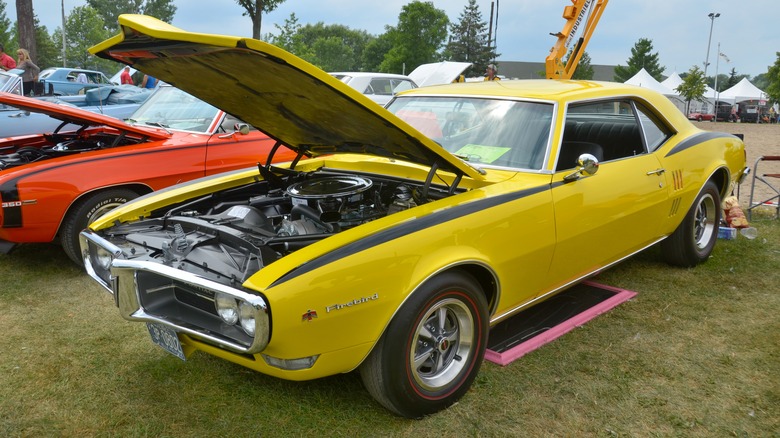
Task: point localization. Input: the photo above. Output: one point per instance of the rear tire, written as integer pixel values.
(692, 242)
(84, 212)
(431, 351)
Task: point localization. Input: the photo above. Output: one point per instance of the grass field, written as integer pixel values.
(696, 353)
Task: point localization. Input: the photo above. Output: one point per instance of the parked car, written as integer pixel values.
(53, 184)
(381, 87)
(701, 117)
(118, 101)
(411, 230)
(63, 81)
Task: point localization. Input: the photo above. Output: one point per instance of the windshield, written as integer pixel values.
(171, 108)
(10, 83)
(502, 133)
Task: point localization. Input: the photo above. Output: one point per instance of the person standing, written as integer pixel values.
(148, 82)
(491, 73)
(125, 77)
(6, 62)
(30, 75)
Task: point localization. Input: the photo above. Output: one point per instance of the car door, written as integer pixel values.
(620, 209)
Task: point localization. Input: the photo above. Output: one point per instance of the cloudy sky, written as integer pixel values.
(747, 30)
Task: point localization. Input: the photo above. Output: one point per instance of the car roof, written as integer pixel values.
(282, 95)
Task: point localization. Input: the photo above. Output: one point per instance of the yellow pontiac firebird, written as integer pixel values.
(398, 236)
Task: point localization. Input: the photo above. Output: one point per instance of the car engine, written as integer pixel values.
(230, 235)
(60, 145)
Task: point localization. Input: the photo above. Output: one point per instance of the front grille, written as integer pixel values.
(152, 292)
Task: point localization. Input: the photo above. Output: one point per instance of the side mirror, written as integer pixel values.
(241, 128)
(587, 165)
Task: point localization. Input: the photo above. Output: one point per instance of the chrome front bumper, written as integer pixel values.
(151, 292)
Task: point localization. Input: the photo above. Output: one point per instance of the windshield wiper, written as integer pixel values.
(159, 125)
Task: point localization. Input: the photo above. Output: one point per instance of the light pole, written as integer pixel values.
(713, 16)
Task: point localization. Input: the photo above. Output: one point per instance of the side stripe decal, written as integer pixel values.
(409, 227)
(697, 139)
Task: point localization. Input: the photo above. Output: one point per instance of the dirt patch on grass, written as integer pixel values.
(760, 140)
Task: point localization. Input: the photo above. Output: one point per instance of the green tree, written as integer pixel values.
(760, 81)
(469, 41)
(418, 38)
(48, 53)
(583, 70)
(375, 52)
(692, 87)
(641, 57)
(330, 54)
(287, 34)
(773, 80)
(84, 28)
(6, 31)
(255, 10)
(316, 43)
(110, 10)
(732, 80)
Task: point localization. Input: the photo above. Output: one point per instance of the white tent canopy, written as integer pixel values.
(672, 82)
(643, 79)
(744, 90)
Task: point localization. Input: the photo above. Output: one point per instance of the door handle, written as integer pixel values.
(656, 172)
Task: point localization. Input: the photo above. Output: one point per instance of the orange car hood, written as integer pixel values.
(77, 116)
(280, 94)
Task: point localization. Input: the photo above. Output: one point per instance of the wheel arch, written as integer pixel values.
(482, 273)
(140, 188)
(486, 278)
(722, 178)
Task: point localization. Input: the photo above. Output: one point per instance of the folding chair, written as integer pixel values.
(772, 201)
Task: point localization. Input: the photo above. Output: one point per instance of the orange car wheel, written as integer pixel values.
(84, 212)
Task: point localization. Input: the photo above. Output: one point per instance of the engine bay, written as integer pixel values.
(228, 236)
(58, 145)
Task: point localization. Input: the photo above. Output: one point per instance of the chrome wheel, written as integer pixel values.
(704, 221)
(444, 341)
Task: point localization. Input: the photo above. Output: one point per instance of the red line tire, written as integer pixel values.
(431, 351)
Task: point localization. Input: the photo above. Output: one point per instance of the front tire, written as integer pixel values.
(432, 349)
(84, 212)
(692, 242)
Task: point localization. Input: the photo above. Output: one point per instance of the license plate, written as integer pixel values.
(166, 338)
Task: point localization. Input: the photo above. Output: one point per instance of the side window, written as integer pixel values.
(402, 85)
(608, 130)
(656, 132)
(382, 86)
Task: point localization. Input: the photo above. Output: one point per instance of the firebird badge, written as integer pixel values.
(309, 315)
(354, 302)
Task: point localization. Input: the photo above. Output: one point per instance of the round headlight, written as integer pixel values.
(227, 308)
(246, 313)
(103, 259)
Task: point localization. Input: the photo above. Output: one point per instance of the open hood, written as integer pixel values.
(438, 73)
(77, 116)
(282, 95)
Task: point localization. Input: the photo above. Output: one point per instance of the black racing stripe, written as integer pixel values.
(697, 139)
(405, 228)
(12, 217)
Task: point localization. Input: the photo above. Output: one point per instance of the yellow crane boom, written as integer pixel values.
(581, 19)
